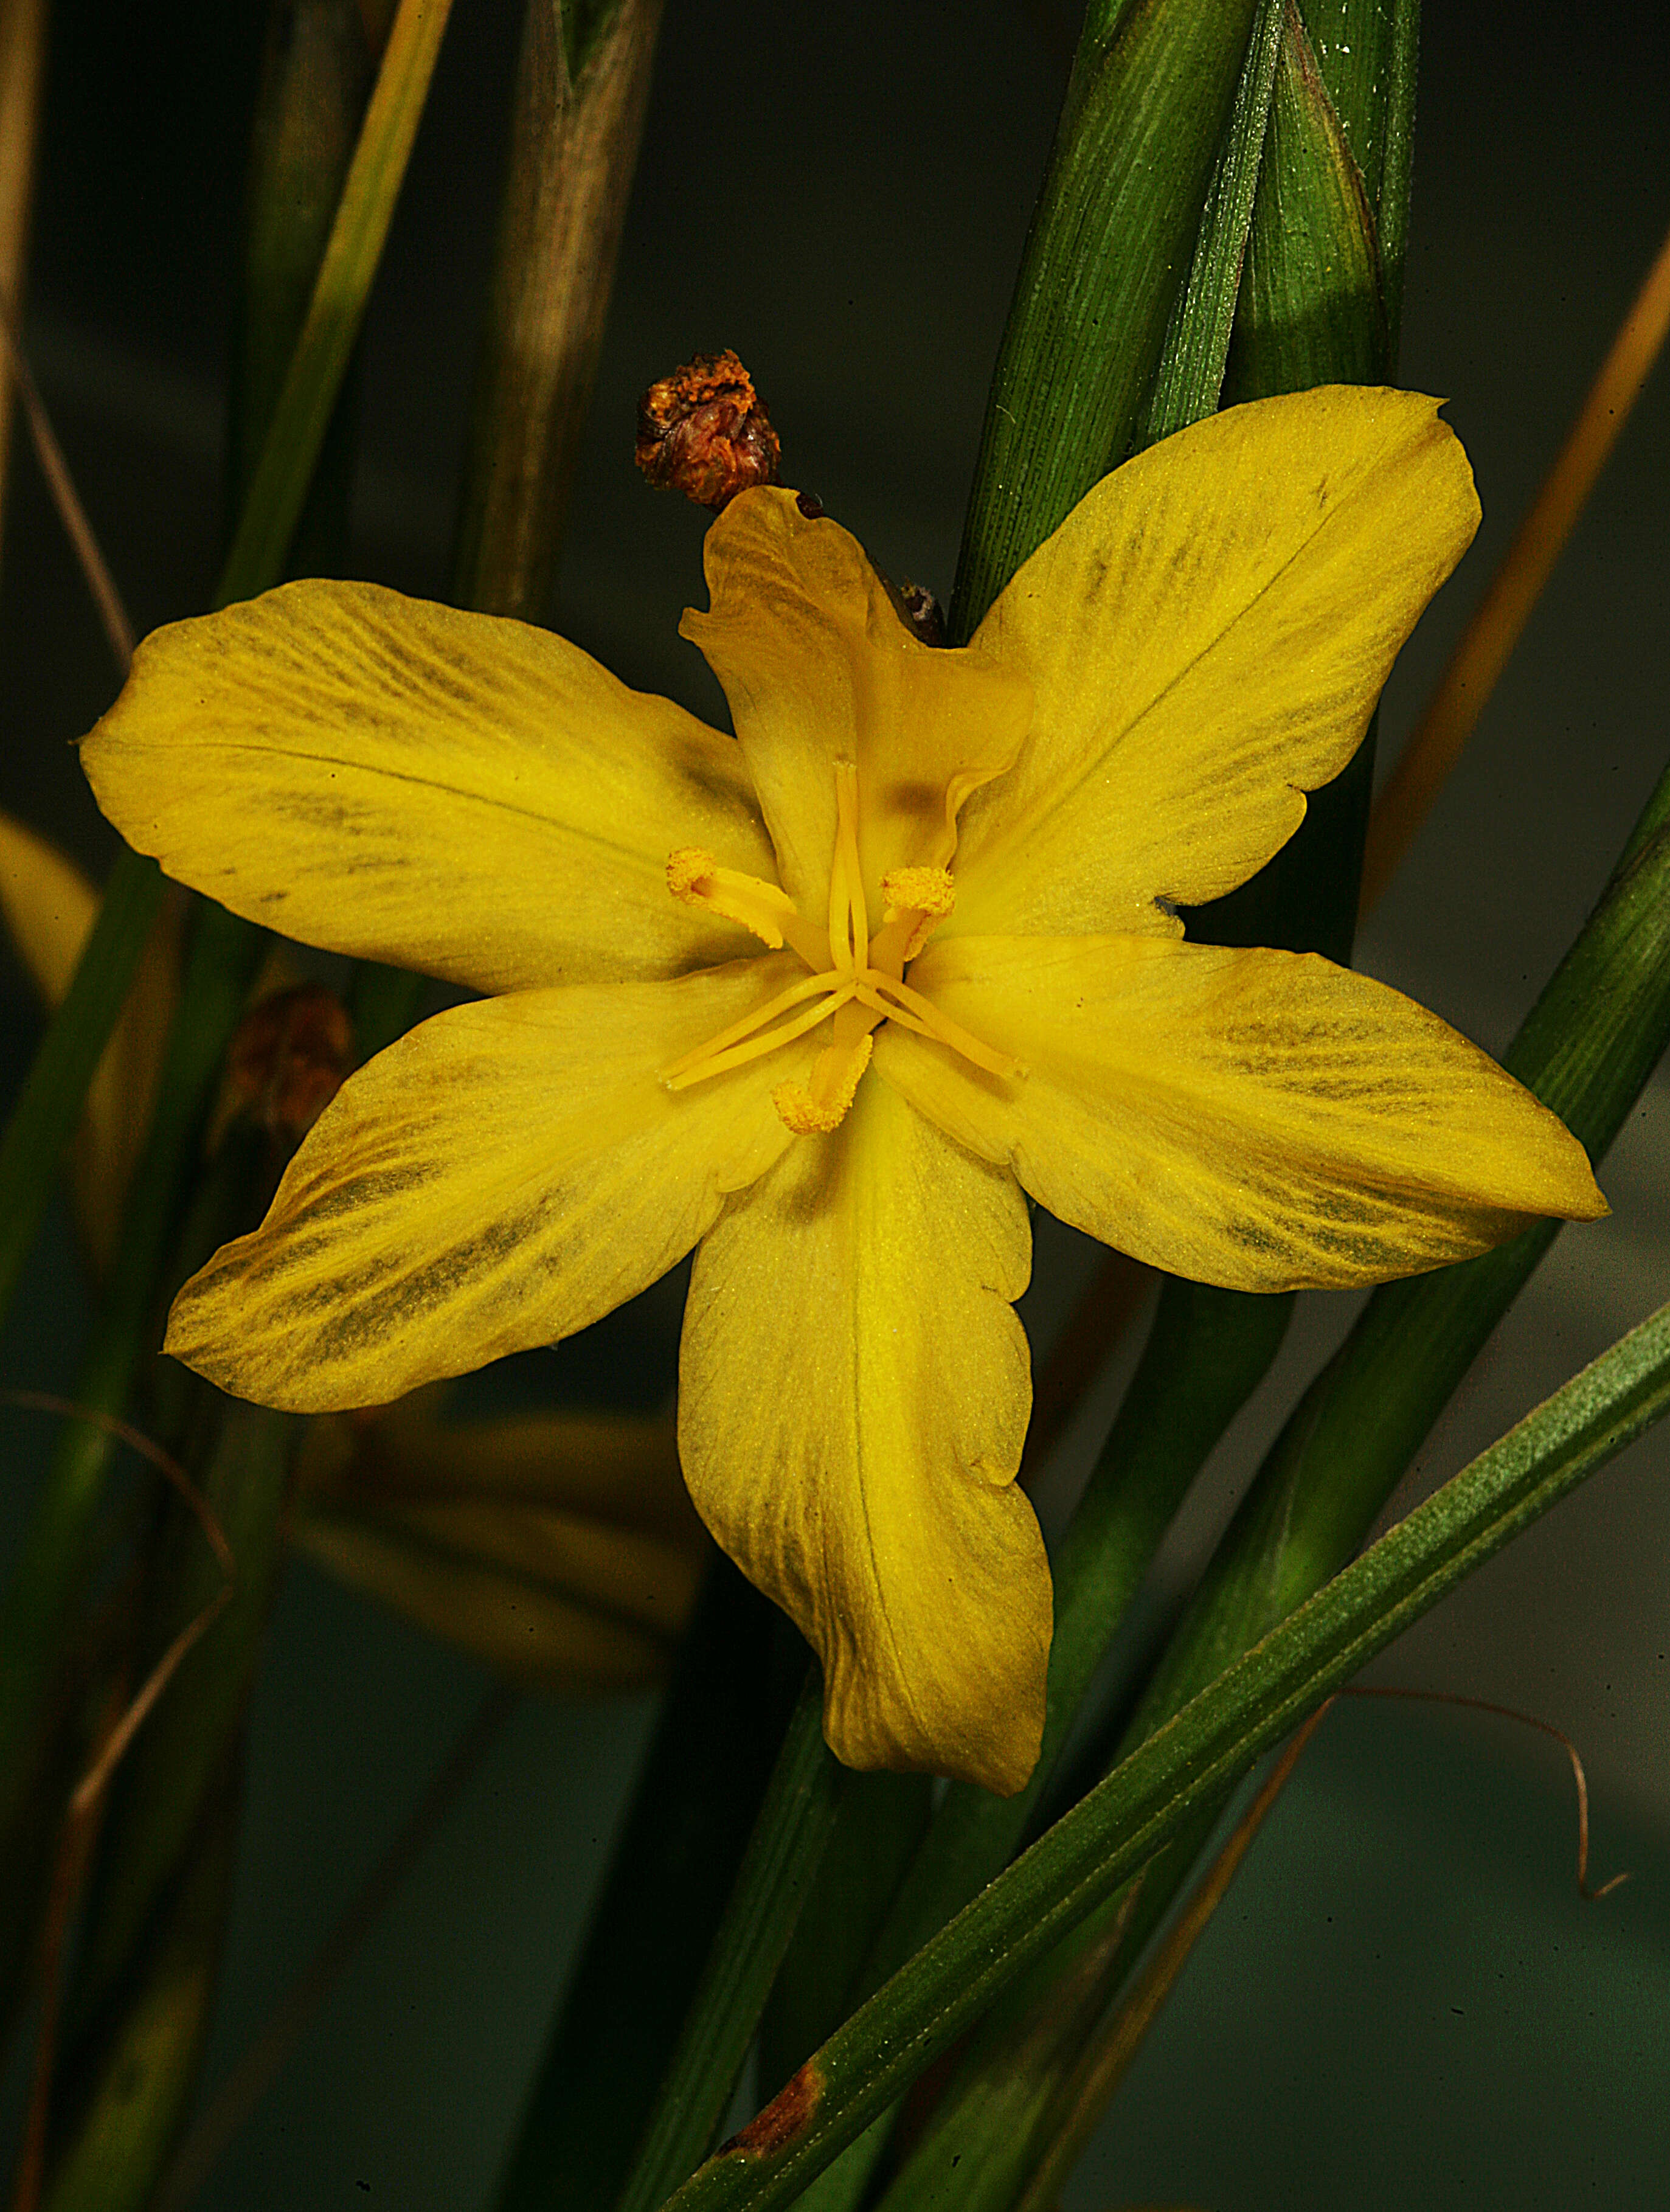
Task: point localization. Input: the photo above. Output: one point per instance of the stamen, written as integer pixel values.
(928, 893)
(920, 1014)
(856, 981)
(696, 878)
(692, 1066)
(814, 1109)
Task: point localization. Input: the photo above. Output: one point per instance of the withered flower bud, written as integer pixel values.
(704, 431)
(288, 1060)
(923, 613)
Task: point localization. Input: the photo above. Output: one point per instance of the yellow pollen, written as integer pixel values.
(928, 893)
(696, 878)
(814, 1109)
(855, 981)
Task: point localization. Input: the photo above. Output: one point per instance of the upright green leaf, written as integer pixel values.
(1587, 1049)
(168, 1775)
(128, 2095)
(1206, 1353)
(301, 415)
(39, 1610)
(1152, 88)
(777, 1871)
(316, 76)
(1190, 377)
(1314, 309)
(41, 1606)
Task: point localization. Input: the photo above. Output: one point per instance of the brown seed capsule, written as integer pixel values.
(288, 1060)
(704, 431)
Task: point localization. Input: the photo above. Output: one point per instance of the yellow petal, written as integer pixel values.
(505, 1174)
(853, 1392)
(49, 908)
(819, 666)
(450, 792)
(1207, 634)
(535, 1635)
(1264, 1120)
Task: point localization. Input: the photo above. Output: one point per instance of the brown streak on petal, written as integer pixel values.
(788, 2115)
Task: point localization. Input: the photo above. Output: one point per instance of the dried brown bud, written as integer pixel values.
(288, 1060)
(704, 430)
(923, 613)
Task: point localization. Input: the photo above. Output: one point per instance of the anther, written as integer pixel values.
(928, 893)
(814, 1109)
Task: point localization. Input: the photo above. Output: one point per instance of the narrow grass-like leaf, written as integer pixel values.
(46, 1115)
(672, 1871)
(158, 1792)
(278, 488)
(1312, 310)
(1587, 1049)
(772, 1883)
(316, 75)
(582, 83)
(1151, 91)
(129, 2094)
(1187, 1764)
(878, 1829)
(38, 1605)
(40, 1602)
(1196, 345)
(1207, 1352)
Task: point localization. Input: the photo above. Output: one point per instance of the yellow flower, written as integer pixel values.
(964, 867)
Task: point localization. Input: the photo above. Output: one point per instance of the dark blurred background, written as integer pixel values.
(1404, 2002)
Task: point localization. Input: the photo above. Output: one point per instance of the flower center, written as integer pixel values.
(856, 981)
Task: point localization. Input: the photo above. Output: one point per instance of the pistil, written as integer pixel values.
(861, 986)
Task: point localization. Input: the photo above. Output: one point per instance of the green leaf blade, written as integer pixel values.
(1110, 245)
